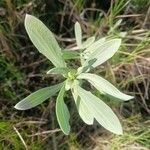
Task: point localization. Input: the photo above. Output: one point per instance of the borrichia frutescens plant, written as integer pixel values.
(92, 53)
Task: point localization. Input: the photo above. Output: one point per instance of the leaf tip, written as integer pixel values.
(128, 97)
(48, 72)
(131, 97)
(77, 23)
(66, 132)
(118, 41)
(120, 132)
(27, 16)
(17, 107)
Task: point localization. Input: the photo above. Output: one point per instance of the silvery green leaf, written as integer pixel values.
(63, 71)
(68, 84)
(104, 52)
(87, 52)
(87, 67)
(94, 46)
(83, 110)
(62, 112)
(78, 34)
(101, 112)
(88, 42)
(70, 54)
(44, 40)
(104, 86)
(38, 97)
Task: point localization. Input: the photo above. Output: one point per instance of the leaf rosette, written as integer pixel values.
(92, 53)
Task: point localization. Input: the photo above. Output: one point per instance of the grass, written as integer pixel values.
(135, 137)
(9, 76)
(22, 69)
(9, 138)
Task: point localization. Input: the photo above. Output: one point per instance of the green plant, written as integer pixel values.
(92, 53)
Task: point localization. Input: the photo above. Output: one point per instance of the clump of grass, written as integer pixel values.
(9, 75)
(9, 138)
(136, 136)
(140, 5)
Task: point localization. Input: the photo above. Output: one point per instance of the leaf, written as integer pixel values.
(94, 46)
(104, 86)
(86, 68)
(78, 34)
(83, 110)
(68, 84)
(104, 52)
(44, 40)
(38, 97)
(88, 42)
(69, 54)
(101, 112)
(62, 112)
(63, 71)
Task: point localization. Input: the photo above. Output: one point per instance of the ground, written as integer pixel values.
(22, 71)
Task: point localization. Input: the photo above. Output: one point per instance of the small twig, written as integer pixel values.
(146, 24)
(130, 15)
(20, 137)
(140, 94)
(139, 31)
(63, 15)
(140, 72)
(45, 132)
(135, 38)
(128, 44)
(30, 122)
(34, 63)
(94, 9)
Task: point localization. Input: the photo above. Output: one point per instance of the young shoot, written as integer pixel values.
(92, 53)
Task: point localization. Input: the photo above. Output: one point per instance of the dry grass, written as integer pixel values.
(22, 70)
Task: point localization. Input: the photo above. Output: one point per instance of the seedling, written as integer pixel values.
(91, 53)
